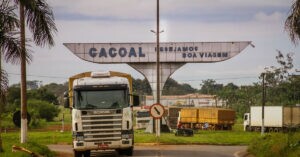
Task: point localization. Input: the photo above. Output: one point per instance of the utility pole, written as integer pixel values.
(23, 77)
(157, 66)
(263, 105)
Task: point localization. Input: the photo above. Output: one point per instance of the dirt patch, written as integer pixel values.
(63, 154)
(62, 150)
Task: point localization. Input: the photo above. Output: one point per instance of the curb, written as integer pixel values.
(243, 153)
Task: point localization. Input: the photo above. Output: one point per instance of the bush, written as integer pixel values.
(39, 149)
(42, 110)
(6, 121)
(276, 145)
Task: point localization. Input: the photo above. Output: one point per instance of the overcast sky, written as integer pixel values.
(106, 21)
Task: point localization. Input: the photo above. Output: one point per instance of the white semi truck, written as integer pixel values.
(276, 118)
(101, 104)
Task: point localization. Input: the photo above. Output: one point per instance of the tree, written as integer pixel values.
(9, 47)
(172, 87)
(40, 109)
(43, 94)
(141, 87)
(3, 91)
(40, 20)
(275, 75)
(292, 23)
(210, 86)
(278, 81)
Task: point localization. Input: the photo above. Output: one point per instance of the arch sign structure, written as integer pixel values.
(142, 56)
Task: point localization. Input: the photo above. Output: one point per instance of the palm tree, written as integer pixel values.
(292, 23)
(40, 21)
(3, 91)
(9, 47)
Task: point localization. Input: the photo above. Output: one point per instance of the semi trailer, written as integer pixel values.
(276, 118)
(102, 116)
(206, 118)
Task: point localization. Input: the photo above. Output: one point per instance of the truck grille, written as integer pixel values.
(102, 125)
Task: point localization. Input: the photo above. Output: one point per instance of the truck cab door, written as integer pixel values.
(246, 121)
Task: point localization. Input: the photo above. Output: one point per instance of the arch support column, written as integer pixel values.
(148, 70)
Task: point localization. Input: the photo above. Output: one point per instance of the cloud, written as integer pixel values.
(274, 17)
(146, 10)
(182, 20)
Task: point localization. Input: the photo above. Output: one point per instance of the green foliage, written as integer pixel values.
(57, 90)
(13, 98)
(42, 94)
(210, 86)
(37, 142)
(6, 121)
(141, 87)
(201, 137)
(172, 87)
(281, 88)
(39, 149)
(276, 145)
(292, 22)
(42, 110)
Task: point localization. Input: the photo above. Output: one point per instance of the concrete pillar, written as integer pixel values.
(149, 72)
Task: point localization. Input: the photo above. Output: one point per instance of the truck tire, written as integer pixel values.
(248, 128)
(271, 130)
(87, 153)
(77, 153)
(128, 152)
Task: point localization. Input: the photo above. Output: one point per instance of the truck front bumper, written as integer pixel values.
(102, 145)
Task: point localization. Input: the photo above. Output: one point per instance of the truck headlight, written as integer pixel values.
(78, 136)
(126, 136)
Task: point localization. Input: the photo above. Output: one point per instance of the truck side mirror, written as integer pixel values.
(136, 100)
(66, 100)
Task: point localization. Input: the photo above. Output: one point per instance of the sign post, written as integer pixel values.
(157, 111)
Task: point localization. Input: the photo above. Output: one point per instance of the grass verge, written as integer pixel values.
(276, 145)
(37, 142)
(200, 137)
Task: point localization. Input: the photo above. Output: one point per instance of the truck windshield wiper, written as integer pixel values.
(91, 106)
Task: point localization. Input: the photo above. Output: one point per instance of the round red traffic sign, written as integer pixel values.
(157, 111)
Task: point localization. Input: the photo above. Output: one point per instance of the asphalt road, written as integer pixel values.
(166, 151)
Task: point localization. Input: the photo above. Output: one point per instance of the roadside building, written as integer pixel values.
(189, 100)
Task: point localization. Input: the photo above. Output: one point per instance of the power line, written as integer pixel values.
(42, 76)
(189, 80)
(229, 78)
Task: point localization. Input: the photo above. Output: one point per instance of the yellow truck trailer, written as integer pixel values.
(207, 118)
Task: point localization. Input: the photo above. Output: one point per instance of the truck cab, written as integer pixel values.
(102, 116)
(246, 121)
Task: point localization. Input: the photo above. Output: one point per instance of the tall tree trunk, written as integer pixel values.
(23, 77)
(1, 107)
(1, 146)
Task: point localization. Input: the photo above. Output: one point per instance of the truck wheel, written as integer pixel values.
(87, 153)
(229, 127)
(129, 151)
(271, 130)
(77, 153)
(248, 128)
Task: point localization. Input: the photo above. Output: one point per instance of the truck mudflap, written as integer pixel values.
(105, 145)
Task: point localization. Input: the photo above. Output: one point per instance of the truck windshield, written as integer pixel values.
(112, 99)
